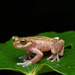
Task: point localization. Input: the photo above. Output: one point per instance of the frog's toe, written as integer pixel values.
(20, 63)
(21, 57)
(25, 57)
(54, 58)
(26, 63)
(50, 57)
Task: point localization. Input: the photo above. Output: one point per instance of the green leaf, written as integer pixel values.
(9, 57)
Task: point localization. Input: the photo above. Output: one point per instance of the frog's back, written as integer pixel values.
(42, 43)
(40, 38)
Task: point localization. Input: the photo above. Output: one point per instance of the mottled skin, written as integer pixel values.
(38, 45)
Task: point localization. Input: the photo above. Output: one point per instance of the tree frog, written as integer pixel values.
(38, 45)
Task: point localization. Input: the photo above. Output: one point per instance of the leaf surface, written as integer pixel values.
(9, 57)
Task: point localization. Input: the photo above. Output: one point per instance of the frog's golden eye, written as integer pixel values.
(23, 42)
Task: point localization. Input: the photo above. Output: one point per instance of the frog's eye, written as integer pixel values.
(23, 42)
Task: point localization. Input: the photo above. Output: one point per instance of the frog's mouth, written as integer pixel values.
(16, 45)
(20, 46)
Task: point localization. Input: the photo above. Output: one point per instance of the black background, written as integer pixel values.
(28, 18)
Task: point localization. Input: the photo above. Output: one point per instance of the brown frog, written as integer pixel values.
(38, 45)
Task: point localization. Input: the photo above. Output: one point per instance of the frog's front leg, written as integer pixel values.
(38, 56)
(27, 55)
(57, 50)
(26, 63)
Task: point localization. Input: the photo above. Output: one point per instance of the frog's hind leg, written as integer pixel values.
(57, 50)
(61, 52)
(54, 57)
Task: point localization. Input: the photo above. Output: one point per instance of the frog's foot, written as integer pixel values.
(54, 57)
(26, 56)
(26, 63)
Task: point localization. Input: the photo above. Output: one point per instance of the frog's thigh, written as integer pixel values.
(55, 48)
(58, 47)
(61, 52)
(62, 49)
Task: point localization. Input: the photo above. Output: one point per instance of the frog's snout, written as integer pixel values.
(14, 44)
